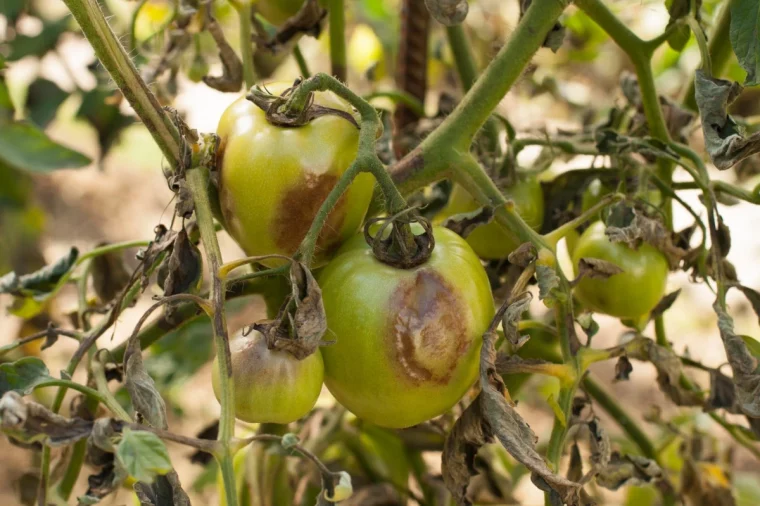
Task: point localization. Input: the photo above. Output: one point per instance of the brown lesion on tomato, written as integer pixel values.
(427, 329)
(299, 206)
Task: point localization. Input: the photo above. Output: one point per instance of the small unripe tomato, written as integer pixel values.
(274, 179)
(270, 386)
(630, 294)
(278, 11)
(491, 241)
(407, 340)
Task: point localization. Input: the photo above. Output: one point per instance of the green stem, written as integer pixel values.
(198, 181)
(338, 39)
(566, 146)
(704, 51)
(246, 45)
(303, 67)
(115, 59)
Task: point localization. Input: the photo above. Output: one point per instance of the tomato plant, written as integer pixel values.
(270, 386)
(273, 179)
(406, 339)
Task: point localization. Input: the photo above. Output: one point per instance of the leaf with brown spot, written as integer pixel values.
(624, 470)
(182, 271)
(524, 255)
(743, 363)
(465, 223)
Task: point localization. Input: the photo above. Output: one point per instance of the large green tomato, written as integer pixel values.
(274, 179)
(630, 294)
(270, 386)
(407, 341)
(491, 241)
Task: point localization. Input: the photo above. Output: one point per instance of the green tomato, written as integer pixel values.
(270, 386)
(278, 11)
(491, 241)
(407, 341)
(630, 294)
(274, 179)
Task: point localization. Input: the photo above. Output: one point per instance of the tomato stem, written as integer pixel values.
(338, 39)
(246, 44)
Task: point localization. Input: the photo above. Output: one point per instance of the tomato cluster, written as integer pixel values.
(406, 341)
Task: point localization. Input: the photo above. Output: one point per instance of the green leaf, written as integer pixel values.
(11, 9)
(6, 104)
(752, 345)
(100, 111)
(38, 45)
(677, 10)
(23, 375)
(143, 455)
(745, 37)
(43, 100)
(24, 146)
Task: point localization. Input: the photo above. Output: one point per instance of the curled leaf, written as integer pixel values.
(623, 369)
(640, 229)
(595, 268)
(524, 255)
(232, 74)
(308, 21)
(511, 319)
(109, 275)
(547, 281)
(724, 138)
(665, 303)
(142, 389)
(341, 488)
(182, 272)
(448, 12)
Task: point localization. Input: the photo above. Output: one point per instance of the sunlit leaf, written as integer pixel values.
(143, 455)
(745, 25)
(24, 146)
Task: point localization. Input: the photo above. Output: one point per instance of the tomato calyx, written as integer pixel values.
(398, 246)
(300, 323)
(279, 114)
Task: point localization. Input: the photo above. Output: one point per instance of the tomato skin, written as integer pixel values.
(407, 341)
(630, 294)
(274, 179)
(270, 386)
(491, 241)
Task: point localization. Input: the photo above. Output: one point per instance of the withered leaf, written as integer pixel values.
(669, 370)
(743, 363)
(599, 443)
(556, 35)
(722, 392)
(699, 485)
(623, 470)
(162, 243)
(307, 20)
(142, 390)
(166, 490)
(185, 205)
(547, 281)
(594, 268)
(28, 422)
(301, 322)
(511, 319)
(575, 467)
(665, 303)
(623, 369)
(524, 255)
(643, 228)
(464, 224)
(182, 271)
(109, 275)
(448, 12)
(231, 79)
(724, 138)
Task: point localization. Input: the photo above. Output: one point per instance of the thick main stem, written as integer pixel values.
(115, 59)
(338, 39)
(198, 181)
(246, 46)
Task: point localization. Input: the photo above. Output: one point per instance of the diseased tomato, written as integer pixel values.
(274, 179)
(630, 294)
(491, 241)
(407, 341)
(270, 386)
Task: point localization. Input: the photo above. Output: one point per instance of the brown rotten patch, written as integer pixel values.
(299, 206)
(426, 330)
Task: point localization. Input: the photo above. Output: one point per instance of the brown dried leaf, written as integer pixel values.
(594, 268)
(524, 255)
(146, 401)
(704, 484)
(511, 319)
(162, 243)
(464, 224)
(665, 304)
(182, 271)
(722, 392)
(231, 79)
(623, 369)
(575, 467)
(307, 20)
